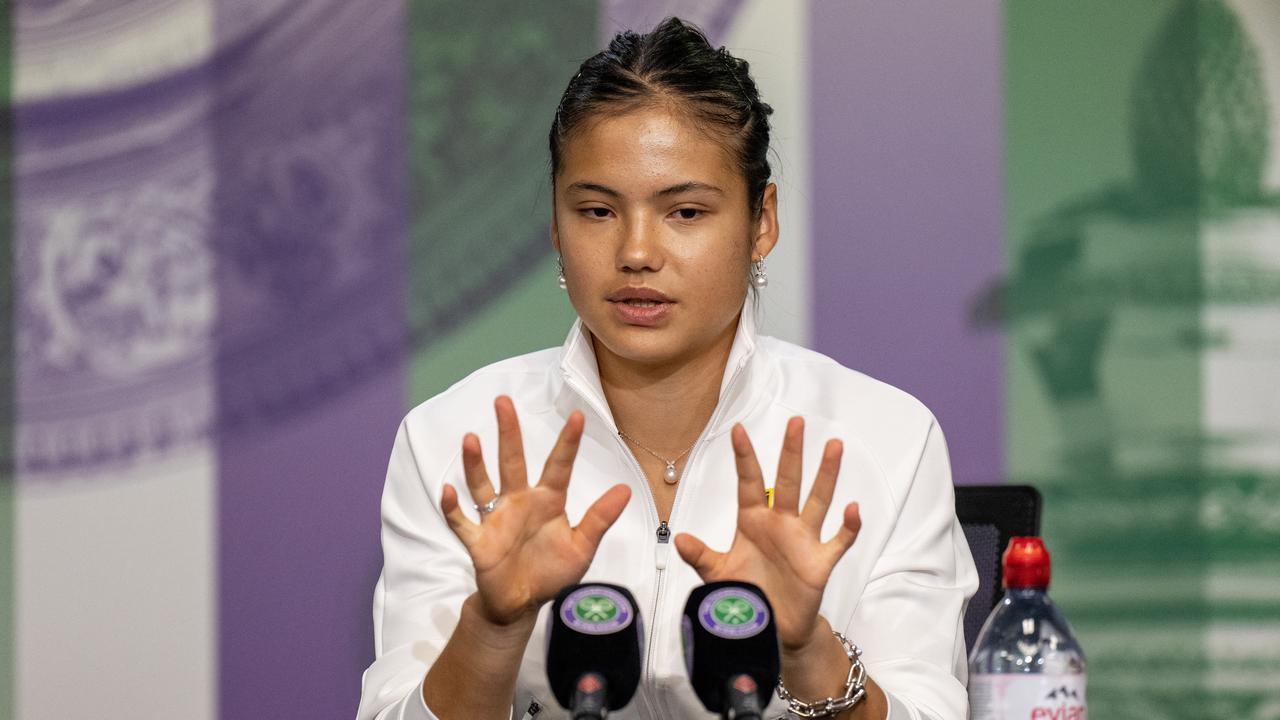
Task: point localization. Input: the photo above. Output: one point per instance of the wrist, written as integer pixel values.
(475, 674)
(817, 668)
(818, 636)
(811, 690)
(497, 633)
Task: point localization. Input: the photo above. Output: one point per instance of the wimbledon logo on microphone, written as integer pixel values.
(596, 610)
(733, 613)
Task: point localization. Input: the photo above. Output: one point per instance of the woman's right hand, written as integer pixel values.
(525, 551)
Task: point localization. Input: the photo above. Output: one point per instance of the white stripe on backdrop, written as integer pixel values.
(773, 37)
(115, 593)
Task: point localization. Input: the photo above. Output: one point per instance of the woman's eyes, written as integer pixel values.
(601, 213)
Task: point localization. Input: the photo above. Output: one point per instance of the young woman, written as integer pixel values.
(665, 407)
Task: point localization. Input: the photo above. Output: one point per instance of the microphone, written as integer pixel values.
(731, 648)
(593, 649)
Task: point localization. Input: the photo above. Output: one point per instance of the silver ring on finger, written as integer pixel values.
(488, 507)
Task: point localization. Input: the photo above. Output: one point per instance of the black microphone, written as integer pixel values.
(731, 648)
(593, 649)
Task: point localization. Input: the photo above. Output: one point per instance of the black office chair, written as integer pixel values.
(990, 515)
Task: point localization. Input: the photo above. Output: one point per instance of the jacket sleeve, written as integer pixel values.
(426, 575)
(910, 619)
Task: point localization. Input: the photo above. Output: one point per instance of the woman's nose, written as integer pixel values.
(639, 249)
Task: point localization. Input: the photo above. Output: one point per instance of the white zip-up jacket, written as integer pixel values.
(899, 593)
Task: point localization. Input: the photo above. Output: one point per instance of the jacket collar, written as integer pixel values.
(739, 385)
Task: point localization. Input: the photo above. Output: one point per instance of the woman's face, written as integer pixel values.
(653, 225)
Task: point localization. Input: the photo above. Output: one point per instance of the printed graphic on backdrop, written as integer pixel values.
(113, 269)
(117, 266)
(308, 209)
(1146, 314)
(487, 80)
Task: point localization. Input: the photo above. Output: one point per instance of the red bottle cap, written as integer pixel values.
(1026, 563)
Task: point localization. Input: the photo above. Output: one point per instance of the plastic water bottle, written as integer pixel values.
(1026, 663)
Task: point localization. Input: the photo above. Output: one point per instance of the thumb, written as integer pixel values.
(697, 554)
(848, 532)
(602, 514)
(458, 523)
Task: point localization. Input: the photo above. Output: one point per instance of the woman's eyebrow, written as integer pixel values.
(684, 187)
(593, 187)
(691, 186)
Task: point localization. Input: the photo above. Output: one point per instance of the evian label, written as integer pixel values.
(1027, 697)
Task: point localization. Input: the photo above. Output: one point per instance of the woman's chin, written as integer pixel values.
(640, 345)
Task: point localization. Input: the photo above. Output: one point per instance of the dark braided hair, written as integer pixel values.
(674, 63)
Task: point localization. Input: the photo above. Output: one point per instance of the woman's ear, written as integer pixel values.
(555, 232)
(766, 226)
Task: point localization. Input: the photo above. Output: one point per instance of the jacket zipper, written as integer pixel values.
(661, 552)
(663, 531)
(661, 549)
(663, 534)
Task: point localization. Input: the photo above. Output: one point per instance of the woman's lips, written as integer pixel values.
(643, 313)
(640, 306)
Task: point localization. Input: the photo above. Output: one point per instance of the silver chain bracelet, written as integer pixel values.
(854, 688)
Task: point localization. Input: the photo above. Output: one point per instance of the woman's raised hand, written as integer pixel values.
(524, 551)
(779, 548)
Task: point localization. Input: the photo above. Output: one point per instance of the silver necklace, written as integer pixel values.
(671, 476)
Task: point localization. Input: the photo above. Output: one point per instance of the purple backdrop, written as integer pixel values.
(310, 235)
(907, 206)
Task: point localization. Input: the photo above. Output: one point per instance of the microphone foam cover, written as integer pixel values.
(728, 630)
(594, 628)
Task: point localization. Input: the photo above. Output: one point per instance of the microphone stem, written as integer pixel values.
(742, 698)
(590, 698)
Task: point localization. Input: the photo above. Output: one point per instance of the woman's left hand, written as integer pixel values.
(779, 548)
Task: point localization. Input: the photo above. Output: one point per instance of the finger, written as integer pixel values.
(555, 474)
(695, 552)
(511, 472)
(750, 479)
(458, 523)
(473, 469)
(786, 491)
(824, 486)
(844, 537)
(603, 513)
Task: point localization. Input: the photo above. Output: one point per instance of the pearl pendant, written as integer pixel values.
(670, 474)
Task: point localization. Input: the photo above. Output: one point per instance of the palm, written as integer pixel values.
(525, 551)
(779, 548)
(529, 550)
(771, 546)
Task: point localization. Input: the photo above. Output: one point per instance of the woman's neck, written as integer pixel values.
(665, 407)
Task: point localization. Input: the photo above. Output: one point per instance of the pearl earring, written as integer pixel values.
(564, 284)
(759, 278)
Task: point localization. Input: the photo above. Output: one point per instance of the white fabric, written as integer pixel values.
(900, 592)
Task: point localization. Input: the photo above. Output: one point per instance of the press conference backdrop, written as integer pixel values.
(242, 237)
